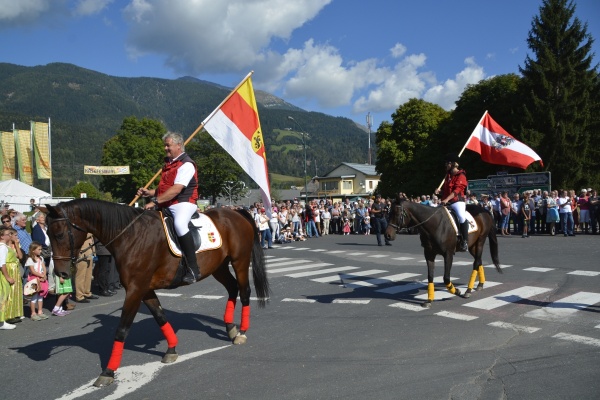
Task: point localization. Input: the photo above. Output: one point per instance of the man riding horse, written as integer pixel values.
(453, 193)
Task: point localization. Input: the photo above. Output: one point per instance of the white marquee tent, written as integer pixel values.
(18, 194)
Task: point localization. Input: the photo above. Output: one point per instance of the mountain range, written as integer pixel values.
(86, 108)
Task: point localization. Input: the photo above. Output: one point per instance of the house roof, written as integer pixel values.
(365, 169)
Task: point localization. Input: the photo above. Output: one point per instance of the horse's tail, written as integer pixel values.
(494, 246)
(259, 270)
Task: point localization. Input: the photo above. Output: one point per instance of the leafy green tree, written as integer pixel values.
(138, 143)
(215, 166)
(403, 146)
(560, 93)
(91, 192)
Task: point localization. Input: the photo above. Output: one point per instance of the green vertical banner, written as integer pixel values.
(24, 156)
(7, 156)
(41, 149)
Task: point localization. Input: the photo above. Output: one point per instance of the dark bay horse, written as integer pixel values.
(136, 240)
(439, 237)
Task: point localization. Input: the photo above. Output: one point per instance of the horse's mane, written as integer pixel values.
(110, 218)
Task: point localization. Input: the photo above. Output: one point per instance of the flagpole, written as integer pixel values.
(465, 146)
(198, 130)
(50, 153)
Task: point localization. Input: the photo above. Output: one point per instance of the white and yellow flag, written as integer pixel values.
(41, 149)
(24, 156)
(7, 156)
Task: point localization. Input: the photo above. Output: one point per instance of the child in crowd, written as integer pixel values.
(367, 227)
(37, 270)
(346, 228)
(64, 287)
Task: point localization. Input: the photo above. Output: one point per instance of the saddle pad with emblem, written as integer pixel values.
(472, 224)
(210, 236)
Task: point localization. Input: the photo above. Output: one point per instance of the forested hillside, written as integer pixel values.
(87, 108)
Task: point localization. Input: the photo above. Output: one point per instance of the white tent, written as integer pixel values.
(18, 194)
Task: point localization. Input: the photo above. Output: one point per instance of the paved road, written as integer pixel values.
(343, 321)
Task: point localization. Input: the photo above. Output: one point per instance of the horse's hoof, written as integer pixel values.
(169, 358)
(458, 293)
(479, 287)
(104, 381)
(232, 331)
(467, 294)
(427, 304)
(240, 339)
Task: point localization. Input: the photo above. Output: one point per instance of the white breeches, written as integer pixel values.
(182, 213)
(459, 208)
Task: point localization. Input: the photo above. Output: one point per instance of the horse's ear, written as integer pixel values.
(49, 210)
(43, 209)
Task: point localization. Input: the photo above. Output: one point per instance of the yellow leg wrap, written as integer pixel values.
(451, 288)
(430, 292)
(472, 280)
(481, 274)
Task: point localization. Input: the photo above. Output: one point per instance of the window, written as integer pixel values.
(347, 185)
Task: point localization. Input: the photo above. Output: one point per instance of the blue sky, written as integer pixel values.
(341, 57)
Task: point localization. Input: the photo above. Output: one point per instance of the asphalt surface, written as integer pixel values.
(355, 332)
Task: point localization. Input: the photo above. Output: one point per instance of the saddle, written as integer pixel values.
(204, 232)
(453, 218)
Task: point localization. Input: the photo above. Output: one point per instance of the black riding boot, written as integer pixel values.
(189, 252)
(464, 233)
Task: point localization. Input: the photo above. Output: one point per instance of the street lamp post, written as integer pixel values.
(304, 146)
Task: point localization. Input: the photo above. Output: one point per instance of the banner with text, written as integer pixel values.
(41, 149)
(7, 156)
(106, 170)
(24, 156)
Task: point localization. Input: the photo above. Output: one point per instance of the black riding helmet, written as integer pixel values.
(451, 157)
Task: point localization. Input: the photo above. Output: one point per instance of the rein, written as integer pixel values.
(404, 214)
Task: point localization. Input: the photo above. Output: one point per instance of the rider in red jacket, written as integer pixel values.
(453, 193)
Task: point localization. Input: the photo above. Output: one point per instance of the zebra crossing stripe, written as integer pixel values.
(493, 266)
(402, 288)
(351, 301)
(517, 328)
(318, 250)
(356, 254)
(584, 273)
(443, 293)
(296, 268)
(341, 277)
(511, 296)
(207, 297)
(403, 258)
(292, 261)
(336, 251)
(320, 272)
(578, 339)
(299, 300)
(462, 262)
(301, 248)
(167, 294)
(462, 317)
(407, 306)
(560, 309)
(381, 280)
(538, 269)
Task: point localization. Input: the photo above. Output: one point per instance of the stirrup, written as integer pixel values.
(464, 245)
(190, 277)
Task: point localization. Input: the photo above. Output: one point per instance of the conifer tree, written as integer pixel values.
(559, 91)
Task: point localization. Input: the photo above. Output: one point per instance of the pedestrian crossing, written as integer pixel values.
(409, 290)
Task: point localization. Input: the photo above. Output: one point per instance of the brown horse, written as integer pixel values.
(136, 240)
(439, 237)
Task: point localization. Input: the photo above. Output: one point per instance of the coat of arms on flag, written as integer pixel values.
(211, 237)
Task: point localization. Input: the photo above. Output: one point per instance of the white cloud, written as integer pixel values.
(447, 93)
(17, 12)
(398, 50)
(90, 7)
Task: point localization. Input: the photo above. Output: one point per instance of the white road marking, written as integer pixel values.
(407, 306)
(336, 251)
(167, 294)
(351, 301)
(560, 309)
(402, 288)
(318, 250)
(356, 254)
(299, 300)
(538, 269)
(381, 280)
(462, 317)
(290, 262)
(207, 297)
(462, 262)
(378, 256)
(578, 339)
(518, 328)
(320, 272)
(511, 296)
(584, 273)
(403, 258)
(301, 248)
(296, 268)
(356, 275)
(131, 378)
(494, 267)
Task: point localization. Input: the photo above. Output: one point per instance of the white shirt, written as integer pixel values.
(565, 209)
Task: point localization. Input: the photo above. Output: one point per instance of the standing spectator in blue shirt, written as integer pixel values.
(20, 224)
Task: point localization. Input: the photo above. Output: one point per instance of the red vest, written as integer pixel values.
(189, 193)
(457, 184)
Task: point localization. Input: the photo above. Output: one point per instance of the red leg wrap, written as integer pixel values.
(116, 355)
(167, 330)
(245, 323)
(229, 311)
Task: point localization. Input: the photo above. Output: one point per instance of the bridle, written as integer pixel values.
(72, 256)
(403, 214)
